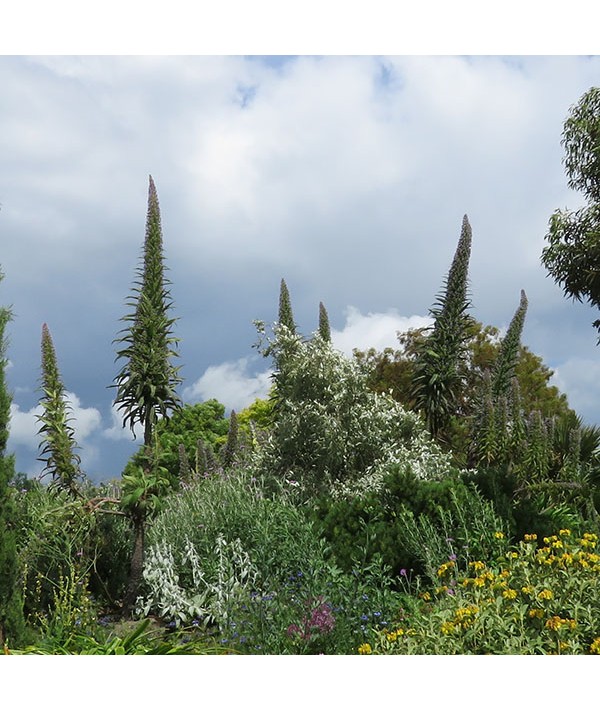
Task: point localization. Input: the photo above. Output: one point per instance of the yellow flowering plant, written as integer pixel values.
(539, 597)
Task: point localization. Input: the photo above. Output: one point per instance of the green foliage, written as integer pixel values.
(439, 365)
(11, 603)
(58, 437)
(199, 428)
(410, 521)
(572, 255)
(147, 381)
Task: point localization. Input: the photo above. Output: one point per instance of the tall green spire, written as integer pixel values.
(147, 381)
(324, 328)
(504, 368)
(286, 317)
(438, 377)
(58, 443)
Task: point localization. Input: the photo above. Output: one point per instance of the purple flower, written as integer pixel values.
(403, 572)
(452, 556)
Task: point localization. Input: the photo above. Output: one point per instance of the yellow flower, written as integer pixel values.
(554, 623)
(557, 544)
(536, 612)
(365, 648)
(447, 627)
(527, 590)
(545, 594)
(595, 646)
(477, 565)
(509, 594)
(531, 536)
(564, 532)
(499, 535)
(425, 596)
(444, 567)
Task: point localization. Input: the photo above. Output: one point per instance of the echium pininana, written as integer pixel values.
(504, 368)
(439, 362)
(58, 437)
(146, 385)
(324, 328)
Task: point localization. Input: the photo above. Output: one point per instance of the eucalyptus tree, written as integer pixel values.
(58, 436)
(146, 384)
(572, 255)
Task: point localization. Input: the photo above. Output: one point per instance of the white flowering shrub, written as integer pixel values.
(330, 428)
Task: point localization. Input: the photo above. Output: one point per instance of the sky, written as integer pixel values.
(346, 175)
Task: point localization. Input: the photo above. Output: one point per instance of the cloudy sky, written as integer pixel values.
(346, 175)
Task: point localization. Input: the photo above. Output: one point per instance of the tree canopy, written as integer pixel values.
(572, 255)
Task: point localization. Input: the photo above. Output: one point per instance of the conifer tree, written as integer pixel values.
(12, 622)
(58, 437)
(438, 376)
(324, 328)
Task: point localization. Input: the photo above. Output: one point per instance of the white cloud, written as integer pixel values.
(374, 330)
(231, 384)
(580, 379)
(24, 426)
(117, 432)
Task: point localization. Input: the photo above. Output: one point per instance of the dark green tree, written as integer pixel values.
(58, 437)
(440, 360)
(146, 384)
(572, 256)
(12, 622)
(324, 328)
